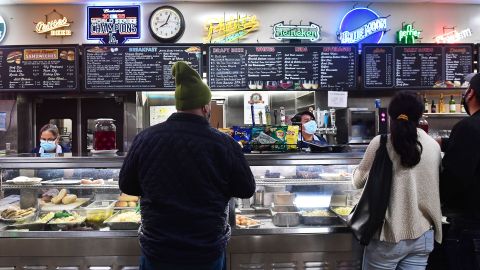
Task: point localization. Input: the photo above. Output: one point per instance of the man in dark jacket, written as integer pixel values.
(185, 172)
(460, 183)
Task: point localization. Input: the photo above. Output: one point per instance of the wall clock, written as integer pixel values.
(166, 24)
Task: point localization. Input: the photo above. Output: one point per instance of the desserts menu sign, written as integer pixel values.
(38, 68)
(136, 68)
(419, 66)
(282, 67)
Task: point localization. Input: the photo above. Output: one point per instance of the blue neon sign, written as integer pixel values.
(362, 25)
(113, 24)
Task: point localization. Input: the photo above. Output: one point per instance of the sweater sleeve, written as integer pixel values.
(241, 182)
(360, 175)
(129, 182)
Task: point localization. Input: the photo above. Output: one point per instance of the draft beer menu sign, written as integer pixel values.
(136, 68)
(282, 67)
(419, 66)
(28, 68)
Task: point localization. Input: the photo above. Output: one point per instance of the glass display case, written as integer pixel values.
(288, 223)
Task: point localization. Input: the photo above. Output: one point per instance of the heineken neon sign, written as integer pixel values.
(408, 34)
(362, 25)
(307, 32)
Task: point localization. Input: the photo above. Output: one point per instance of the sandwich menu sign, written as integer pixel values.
(113, 25)
(42, 68)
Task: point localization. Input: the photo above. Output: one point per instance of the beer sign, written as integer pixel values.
(113, 24)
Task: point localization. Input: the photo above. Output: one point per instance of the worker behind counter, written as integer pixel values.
(308, 127)
(49, 141)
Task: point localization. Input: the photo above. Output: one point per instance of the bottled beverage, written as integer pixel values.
(104, 136)
(268, 118)
(434, 107)
(425, 103)
(282, 116)
(332, 117)
(462, 109)
(441, 104)
(452, 105)
(423, 124)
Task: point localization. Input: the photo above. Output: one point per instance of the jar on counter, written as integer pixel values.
(105, 134)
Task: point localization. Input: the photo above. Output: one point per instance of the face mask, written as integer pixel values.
(48, 146)
(310, 127)
(464, 103)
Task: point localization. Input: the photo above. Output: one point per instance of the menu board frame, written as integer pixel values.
(394, 45)
(77, 49)
(241, 45)
(137, 89)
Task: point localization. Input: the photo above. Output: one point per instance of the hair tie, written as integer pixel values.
(403, 117)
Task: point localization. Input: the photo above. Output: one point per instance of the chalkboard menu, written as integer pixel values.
(416, 66)
(136, 67)
(39, 68)
(282, 67)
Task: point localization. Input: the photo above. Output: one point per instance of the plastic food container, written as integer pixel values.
(99, 211)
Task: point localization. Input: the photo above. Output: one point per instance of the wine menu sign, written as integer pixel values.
(38, 68)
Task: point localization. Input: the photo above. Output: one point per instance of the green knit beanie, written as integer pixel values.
(190, 91)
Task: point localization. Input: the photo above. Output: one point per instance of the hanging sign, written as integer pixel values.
(362, 25)
(288, 32)
(223, 30)
(113, 24)
(453, 36)
(408, 35)
(3, 28)
(57, 27)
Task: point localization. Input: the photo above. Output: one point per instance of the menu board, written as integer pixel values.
(136, 68)
(416, 66)
(282, 67)
(39, 68)
(378, 67)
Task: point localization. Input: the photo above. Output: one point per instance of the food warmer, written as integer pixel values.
(287, 224)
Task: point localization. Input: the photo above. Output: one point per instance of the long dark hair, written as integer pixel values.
(405, 110)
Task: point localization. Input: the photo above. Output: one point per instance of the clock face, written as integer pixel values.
(167, 24)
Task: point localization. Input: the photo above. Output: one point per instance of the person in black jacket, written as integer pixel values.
(185, 172)
(460, 183)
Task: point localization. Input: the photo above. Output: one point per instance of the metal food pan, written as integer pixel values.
(286, 219)
(121, 225)
(331, 219)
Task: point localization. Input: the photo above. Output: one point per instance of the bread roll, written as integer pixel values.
(69, 199)
(58, 199)
(132, 204)
(121, 204)
(127, 198)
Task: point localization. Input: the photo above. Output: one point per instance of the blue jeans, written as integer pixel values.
(404, 255)
(218, 264)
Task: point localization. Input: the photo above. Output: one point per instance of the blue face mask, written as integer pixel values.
(310, 127)
(48, 146)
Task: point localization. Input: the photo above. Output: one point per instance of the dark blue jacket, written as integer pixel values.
(186, 172)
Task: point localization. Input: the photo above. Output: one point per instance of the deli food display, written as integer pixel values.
(39, 68)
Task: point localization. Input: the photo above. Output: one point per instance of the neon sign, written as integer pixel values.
(113, 25)
(362, 25)
(408, 34)
(3, 28)
(307, 32)
(222, 30)
(453, 36)
(55, 27)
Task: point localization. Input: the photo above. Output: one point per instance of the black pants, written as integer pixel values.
(460, 249)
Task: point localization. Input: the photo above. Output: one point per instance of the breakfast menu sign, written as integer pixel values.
(38, 68)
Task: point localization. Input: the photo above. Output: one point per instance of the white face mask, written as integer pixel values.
(310, 127)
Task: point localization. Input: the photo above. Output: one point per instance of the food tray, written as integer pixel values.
(343, 217)
(121, 225)
(98, 211)
(331, 219)
(66, 225)
(19, 220)
(51, 207)
(62, 181)
(27, 226)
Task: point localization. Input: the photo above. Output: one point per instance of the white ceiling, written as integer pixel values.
(13, 2)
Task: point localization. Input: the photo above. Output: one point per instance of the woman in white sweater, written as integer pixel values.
(413, 219)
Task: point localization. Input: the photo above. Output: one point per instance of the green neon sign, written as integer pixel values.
(408, 35)
(308, 32)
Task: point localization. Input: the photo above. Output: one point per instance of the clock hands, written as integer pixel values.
(166, 22)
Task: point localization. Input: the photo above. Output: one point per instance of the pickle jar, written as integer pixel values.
(105, 134)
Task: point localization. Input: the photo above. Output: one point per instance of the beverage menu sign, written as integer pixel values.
(282, 67)
(38, 68)
(136, 68)
(419, 66)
